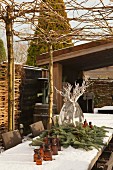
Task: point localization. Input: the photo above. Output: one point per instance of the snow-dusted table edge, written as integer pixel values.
(103, 108)
(21, 156)
(106, 108)
(100, 120)
(106, 140)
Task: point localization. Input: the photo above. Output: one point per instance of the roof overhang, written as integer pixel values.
(87, 56)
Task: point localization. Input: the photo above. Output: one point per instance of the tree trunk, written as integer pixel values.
(50, 85)
(9, 35)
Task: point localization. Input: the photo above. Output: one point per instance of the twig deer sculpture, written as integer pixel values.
(71, 109)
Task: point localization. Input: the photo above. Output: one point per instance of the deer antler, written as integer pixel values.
(75, 94)
(66, 93)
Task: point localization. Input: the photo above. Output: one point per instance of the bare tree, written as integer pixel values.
(91, 22)
(11, 12)
(20, 52)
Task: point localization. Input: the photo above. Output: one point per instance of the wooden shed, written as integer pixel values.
(70, 63)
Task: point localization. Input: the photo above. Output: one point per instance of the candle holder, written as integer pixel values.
(47, 153)
(54, 146)
(35, 154)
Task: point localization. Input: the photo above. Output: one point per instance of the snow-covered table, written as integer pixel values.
(20, 157)
(106, 109)
(100, 119)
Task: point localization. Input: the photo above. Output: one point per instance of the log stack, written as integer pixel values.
(4, 95)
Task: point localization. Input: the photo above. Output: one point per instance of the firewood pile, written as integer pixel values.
(4, 95)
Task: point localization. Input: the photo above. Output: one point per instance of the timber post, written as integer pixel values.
(50, 85)
(9, 36)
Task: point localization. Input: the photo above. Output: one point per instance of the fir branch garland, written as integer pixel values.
(78, 137)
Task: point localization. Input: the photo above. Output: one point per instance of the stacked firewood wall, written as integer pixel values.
(103, 92)
(19, 73)
(4, 95)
